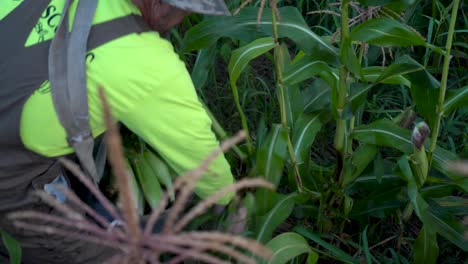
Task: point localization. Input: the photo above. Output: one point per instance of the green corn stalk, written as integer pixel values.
(443, 82)
(352, 121)
(282, 103)
(343, 84)
(245, 126)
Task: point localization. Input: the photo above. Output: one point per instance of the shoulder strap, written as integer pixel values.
(67, 76)
(16, 26)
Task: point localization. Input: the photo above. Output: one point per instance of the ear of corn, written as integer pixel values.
(139, 199)
(160, 170)
(420, 163)
(148, 181)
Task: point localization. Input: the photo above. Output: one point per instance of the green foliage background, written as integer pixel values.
(338, 99)
(330, 94)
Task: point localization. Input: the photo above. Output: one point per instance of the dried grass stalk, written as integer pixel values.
(193, 177)
(242, 242)
(50, 230)
(200, 246)
(155, 214)
(324, 12)
(76, 171)
(71, 196)
(260, 11)
(244, 4)
(116, 159)
(210, 201)
(63, 208)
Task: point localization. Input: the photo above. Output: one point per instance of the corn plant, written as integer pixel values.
(377, 168)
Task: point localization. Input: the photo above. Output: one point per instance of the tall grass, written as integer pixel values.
(355, 112)
(338, 124)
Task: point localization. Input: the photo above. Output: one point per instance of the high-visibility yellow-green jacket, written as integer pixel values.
(149, 91)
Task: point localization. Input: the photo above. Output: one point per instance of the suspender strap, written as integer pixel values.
(67, 76)
(118, 27)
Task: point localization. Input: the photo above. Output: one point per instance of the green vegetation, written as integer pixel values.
(12, 246)
(354, 111)
(338, 100)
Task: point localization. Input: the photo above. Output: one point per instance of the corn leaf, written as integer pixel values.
(386, 133)
(350, 60)
(365, 245)
(425, 93)
(138, 196)
(447, 226)
(381, 201)
(386, 32)
(393, 74)
(244, 26)
(373, 73)
(272, 153)
(455, 99)
(439, 221)
(303, 135)
(270, 163)
(316, 97)
(12, 246)
(305, 68)
(293, 104)
(292, 95)
(201, 68)
(239, 60)
(359, 160)
(241, 57)
(426, 249)
(379, 167)
(336, 252)
(287, 246)
(282, 209)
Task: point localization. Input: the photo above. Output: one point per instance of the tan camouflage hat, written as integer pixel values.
(209, 7)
